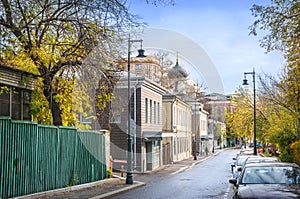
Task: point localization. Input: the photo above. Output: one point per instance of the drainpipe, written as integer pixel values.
(173, 141)
(134, 117)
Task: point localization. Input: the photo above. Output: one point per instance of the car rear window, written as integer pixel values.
(271, 175)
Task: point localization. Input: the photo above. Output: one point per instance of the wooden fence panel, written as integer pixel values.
(5, 129)
(47, 157)
(37, 158)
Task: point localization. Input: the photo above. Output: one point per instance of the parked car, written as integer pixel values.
(258, 159)
(268, 180)
(245, 152)
(238, 164)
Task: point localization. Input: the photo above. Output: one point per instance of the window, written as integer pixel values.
(16, 104)
(173, 115)
(26, 101)
(158, 113)
(181, 122)
(202, 125)
(138, 68)
(148, 71)
(150, 111)
(4, 101)
(146, 110)
(154, 116)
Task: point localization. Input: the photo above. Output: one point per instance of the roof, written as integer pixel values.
(177, 71)
(139, 80)
(17, 78)
(152, 134)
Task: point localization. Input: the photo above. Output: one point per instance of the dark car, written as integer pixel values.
(258, 159)
(268, 180)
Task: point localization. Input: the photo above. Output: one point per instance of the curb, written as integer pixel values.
(66, 189)
(45, 194)
(135, 184)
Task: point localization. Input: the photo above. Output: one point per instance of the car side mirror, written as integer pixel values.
(234, 158)
(239, 169)
(233, 181)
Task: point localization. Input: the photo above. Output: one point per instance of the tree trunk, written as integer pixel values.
(56, 113)
(53, 105)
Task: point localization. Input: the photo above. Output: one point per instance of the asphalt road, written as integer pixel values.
(208, 179)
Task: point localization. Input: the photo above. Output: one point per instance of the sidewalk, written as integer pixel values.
(112, 186)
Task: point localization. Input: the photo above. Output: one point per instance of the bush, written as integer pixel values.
(295, 150)
(109, 173)
(285, 156)
(74, 179)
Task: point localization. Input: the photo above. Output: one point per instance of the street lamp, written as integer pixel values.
(129, 179)
(245, 82)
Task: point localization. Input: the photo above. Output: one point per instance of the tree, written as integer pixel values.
(56, 36)
(105, 97)
(164, 64)
(52, 38)
(240, 122)
(280, 110)
(282, 21)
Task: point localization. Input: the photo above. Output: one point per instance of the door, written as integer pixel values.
(149, 155)
(166, 154)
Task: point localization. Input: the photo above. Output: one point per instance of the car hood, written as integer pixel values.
(269, 191)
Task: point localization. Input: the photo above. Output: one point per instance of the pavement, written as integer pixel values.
(117, 184)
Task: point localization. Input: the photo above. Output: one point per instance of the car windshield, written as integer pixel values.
(246, 152)
(258, 160)
(241, 160)
(271, 175)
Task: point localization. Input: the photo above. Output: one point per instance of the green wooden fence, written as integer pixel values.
(35, 158)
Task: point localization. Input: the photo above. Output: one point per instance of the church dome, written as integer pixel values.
(177, 71)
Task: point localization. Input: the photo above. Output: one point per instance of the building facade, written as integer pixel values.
(15, 91)
(217, 105)
(177, 129)
(146, 123)
(199, 125)
(170, 123)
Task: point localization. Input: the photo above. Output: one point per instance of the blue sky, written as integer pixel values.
(220, 28)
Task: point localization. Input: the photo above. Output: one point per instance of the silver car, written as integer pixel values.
(258, 159)
(268, 180)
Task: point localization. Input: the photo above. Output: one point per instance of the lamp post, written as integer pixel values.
(194, 134)
(213, 134)
(129, 178)
(194, 147)
(245, 82)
